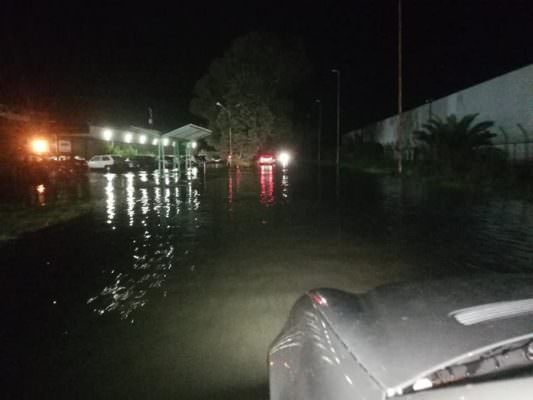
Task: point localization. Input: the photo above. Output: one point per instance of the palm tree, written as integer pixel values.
(454, 143)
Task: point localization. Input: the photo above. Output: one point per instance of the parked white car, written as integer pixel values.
(106, 162)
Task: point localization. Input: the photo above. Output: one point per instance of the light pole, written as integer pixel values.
(400, 90)
(319, 127)
(219, 104)
(336, 71)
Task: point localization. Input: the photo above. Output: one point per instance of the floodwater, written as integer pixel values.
(174, 288)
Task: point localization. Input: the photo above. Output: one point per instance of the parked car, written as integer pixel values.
(67, 165)
(141, 162)
(449, 339)
(107, 162)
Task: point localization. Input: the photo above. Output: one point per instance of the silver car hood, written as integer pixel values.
(401, 333)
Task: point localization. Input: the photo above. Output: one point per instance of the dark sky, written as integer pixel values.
(111, 60)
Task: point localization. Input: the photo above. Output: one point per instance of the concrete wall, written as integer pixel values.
(507, 100)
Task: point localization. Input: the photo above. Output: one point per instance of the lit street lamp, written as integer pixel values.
(39, 146)
(219, 104)
(107, 134)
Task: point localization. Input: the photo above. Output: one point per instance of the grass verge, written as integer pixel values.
(17, 220)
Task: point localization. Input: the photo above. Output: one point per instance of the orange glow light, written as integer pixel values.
(39, 146)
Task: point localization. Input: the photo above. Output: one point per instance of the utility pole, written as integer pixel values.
(319, 128)
(337, 158)
(230, 156)
(400, 89)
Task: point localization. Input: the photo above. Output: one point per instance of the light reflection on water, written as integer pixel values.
(234, 181)
(157, 226)
(285, 183)
(41, 191)
(163, 224)
(49, 192)
(110, 198)
(266, 181)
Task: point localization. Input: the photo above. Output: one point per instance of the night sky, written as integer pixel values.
(109, 61)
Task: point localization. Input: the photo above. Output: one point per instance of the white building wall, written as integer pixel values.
(507, 100)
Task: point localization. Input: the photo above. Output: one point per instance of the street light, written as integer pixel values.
(400, 91)
(336, 71)
(39, 146)
(107, 134)
(219, 104)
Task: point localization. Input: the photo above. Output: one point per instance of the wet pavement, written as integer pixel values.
(174, 288)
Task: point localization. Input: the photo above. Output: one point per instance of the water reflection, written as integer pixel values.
(230, 189)
(130, 197)
(233, 185)
(157, 231)
(266, 181)
(110, 198)
(41, 199)
(285, 183)
(45, 193)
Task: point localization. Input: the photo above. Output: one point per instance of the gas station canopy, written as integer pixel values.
(135, 134)
(188, 132)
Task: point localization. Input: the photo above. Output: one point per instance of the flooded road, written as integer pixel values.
(174, 288)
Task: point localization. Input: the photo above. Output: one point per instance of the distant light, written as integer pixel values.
(154, 142)
(165, 142)
(284, 158)
(142, 139)
(39, 146)
(41, 189)
(173, 144)
(107, 134)
(194, 145)
(128, 137)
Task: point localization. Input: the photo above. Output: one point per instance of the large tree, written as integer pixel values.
(257, 82)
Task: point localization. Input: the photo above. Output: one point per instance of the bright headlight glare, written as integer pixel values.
(284, 158)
